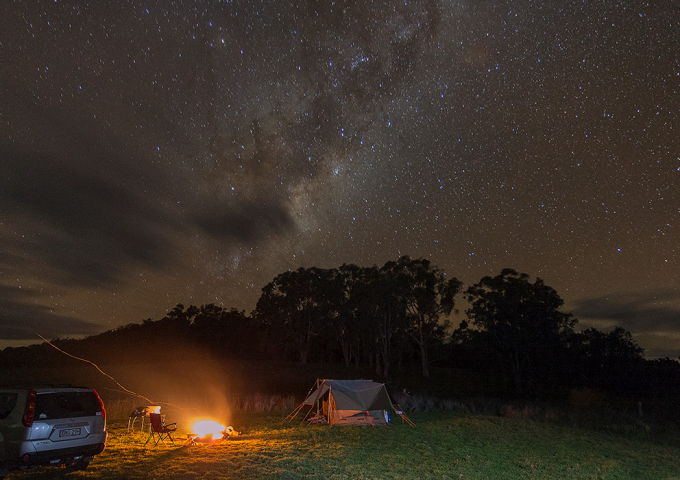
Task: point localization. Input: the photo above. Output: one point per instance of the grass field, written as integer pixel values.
(442, 445)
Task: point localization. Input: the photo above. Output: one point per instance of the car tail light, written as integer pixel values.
(29, 411)
(100, 403)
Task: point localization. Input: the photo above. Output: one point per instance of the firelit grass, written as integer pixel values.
(442, 446)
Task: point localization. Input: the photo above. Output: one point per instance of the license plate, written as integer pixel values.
(69, 432)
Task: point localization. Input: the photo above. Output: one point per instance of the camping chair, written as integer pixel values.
(141, 413)
(161, 429)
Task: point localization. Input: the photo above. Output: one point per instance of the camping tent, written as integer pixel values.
(350, 402)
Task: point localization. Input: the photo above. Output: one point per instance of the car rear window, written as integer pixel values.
(66, 404)
(7, 403)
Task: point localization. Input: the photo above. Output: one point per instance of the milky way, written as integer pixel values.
(163, 152)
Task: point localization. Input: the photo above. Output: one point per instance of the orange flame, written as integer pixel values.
(203, 428)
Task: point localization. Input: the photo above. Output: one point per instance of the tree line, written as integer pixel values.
(515, 333)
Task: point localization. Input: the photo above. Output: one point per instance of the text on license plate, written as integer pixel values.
(69, 432)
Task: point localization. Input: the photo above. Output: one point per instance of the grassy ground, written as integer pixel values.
(443, 445)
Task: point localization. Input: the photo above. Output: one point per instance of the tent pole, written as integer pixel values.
(317, 403)
(330, 405)
(403, 416)
(308, 411)
(294, 413)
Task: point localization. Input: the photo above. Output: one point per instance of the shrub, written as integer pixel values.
(586, 398)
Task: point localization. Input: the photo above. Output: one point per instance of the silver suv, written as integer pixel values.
(50, 426)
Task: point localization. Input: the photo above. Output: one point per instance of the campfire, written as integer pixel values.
(209, 432)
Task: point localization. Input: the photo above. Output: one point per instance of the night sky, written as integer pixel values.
(163, 152)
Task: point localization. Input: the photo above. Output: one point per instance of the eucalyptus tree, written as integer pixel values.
(523, 325)
(607, 359)
(428, 296)
(294, 308)
(178, 320)
(347, 324)
(382, 314)
(227, 332)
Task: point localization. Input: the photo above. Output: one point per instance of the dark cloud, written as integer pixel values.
(21, 318)
(646, 312)
(249, 223)
(87, 208)
(88, 223)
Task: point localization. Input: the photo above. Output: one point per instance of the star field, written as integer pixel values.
(163, 152)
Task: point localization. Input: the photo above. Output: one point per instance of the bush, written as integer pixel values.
(121, 408)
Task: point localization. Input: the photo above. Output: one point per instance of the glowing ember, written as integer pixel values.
(204, 428)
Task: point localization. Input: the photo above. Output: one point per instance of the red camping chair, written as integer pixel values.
(161, 429)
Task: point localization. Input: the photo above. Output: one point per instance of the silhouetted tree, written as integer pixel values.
(384, 311)
(227, 332)
(427, 296)
(177, 321)
(522, 323)
(607, 360)
(346, 321)
(617, 345)
(294, 307)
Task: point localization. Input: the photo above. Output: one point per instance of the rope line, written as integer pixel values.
(109, 376)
